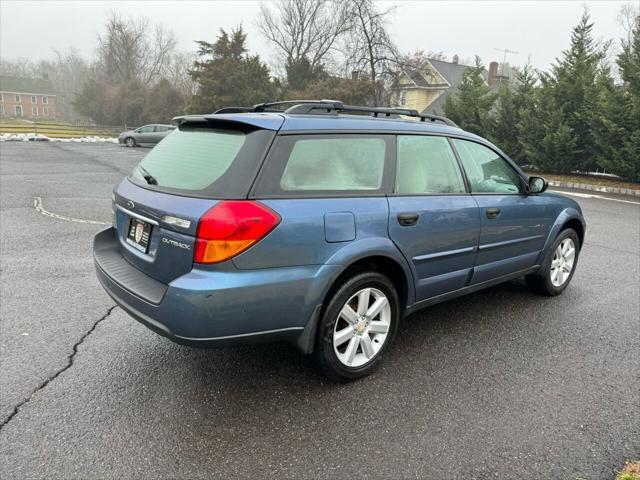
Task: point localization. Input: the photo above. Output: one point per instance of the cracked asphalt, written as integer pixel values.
(498, 384)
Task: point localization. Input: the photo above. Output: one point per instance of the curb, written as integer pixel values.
(596, 188)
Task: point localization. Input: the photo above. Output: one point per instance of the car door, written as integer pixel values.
(159, 132)
(145, 135)
(433, 220)
(514, 225)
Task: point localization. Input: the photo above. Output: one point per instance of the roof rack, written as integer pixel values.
(336, 106)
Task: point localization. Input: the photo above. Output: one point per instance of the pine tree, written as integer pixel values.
(513, 100)
(573, 90)
(470, 107)
(617, 130)
(228, 76)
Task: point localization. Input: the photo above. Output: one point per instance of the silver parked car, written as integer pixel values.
(146, 135)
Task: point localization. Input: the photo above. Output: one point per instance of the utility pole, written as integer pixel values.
(504, 59)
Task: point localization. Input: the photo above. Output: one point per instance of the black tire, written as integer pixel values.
(540, 282)
(325, 356)
(130, 142)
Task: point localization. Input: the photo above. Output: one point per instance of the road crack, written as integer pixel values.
(70, 361)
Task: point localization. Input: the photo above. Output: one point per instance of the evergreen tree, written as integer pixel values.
(573, 89)
(617, 130)
(471, 106)
(300, 74)
(228, 76)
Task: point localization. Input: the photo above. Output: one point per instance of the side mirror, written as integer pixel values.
(537, 184)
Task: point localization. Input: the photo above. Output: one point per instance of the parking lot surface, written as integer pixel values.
(498, 384)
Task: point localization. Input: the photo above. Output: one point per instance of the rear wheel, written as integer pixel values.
(130, 142)
(560, 263)
(358, 325)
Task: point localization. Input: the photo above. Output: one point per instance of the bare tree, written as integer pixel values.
(133, 50)
(627, 19)
(304, 29)
(371, 51)
(177, 72)
(21, 67)
(68, 72)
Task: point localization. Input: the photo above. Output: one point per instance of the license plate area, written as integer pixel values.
(139, 234)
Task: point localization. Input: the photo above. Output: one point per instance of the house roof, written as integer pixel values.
(453, 73)
(26, 85)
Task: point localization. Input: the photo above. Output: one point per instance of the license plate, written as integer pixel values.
(139, 234)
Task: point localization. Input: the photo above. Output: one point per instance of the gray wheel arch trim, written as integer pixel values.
(566, 215)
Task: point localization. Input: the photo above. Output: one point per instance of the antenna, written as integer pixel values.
(504, 59)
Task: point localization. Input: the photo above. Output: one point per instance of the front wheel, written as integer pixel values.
(560, 263)
(130, 142)
(357, 326)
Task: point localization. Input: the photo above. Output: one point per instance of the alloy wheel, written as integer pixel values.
(362, 327)
(562, 263)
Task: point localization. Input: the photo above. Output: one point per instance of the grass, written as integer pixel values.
(631, 471)
(587, 179)
(56, 129)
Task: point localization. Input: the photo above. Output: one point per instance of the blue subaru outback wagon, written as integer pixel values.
(323, 224)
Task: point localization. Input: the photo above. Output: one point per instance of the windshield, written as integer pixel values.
(203, 162)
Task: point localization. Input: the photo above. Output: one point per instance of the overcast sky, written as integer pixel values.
(539, 30)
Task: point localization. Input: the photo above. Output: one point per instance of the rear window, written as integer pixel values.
(204, 162)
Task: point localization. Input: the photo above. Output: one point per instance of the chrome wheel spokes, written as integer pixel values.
(562, 262)
(362, 327)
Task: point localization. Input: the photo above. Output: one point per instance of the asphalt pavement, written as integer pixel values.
(498, 384)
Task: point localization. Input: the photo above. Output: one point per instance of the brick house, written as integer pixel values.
(27, 98)
(424, 90)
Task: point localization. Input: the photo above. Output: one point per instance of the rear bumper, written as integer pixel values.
(214, 308)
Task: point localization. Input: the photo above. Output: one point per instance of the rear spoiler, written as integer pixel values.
(243, 122)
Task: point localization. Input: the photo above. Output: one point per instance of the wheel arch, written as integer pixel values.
(568, 218)
(381, 262)
(577, 226)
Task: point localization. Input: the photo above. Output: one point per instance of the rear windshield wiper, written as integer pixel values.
(151, 180)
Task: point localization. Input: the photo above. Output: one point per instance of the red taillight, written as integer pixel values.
(230, 227)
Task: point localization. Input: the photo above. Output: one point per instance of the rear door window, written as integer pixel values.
(426, 165)
(204, 162)
(329, 165)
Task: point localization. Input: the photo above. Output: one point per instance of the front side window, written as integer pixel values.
(427, 165)
(486, 171)
(335, 164)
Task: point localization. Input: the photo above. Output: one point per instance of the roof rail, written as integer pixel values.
(336, 106)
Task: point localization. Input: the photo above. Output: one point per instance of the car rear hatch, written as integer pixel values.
(158, 207)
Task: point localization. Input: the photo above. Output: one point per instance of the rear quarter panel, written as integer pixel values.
(318, 232)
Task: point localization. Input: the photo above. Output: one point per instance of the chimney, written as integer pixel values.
(456, 58)
(493, 73)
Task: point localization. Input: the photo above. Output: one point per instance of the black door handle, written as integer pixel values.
(407, 219)
(492, 212)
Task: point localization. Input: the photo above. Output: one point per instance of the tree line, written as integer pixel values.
(573, 118)
(577, 116)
